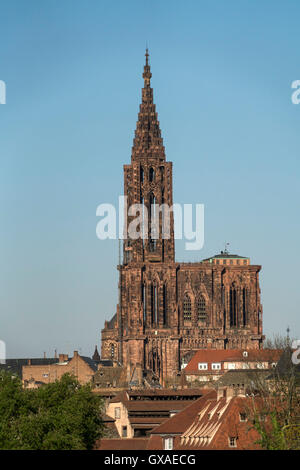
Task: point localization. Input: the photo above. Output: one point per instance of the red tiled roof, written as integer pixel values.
(122, 444)
(151, 420)
(179, 422)
(107, 419)
(188, 392)
(120, 397)
(223, 355)
(208, 424)
(156, 405)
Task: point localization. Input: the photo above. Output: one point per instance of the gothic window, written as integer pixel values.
(201, 308)
(187, 308)
(244, 307)
(151, 175)
(142, 175)
(153, 228)
(144, 304)
(233, 307)
(164, 304)
(162, 173)
(154, 304)
(143, 221)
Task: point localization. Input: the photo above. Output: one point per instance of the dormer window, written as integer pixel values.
(169, 443)
(232, 441)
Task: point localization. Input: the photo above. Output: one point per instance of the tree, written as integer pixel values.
(275, 409)
(277, 341)
(61, 415)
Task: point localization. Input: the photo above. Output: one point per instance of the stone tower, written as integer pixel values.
(168, 310)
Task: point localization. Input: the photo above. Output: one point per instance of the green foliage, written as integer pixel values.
(59, 416)
(275, 410)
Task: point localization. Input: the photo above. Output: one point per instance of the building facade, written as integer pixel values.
(81, 367)
(169, 310)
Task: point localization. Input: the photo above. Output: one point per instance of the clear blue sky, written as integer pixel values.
(222, 74)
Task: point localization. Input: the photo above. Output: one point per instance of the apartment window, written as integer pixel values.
(232, 441)
(243, 417)
(231, 365)
(216, 366)
(224, 261)
(124, 431)
(169, 442)
(117, 413)
(245, 261)
(45, 375)
(202, 365)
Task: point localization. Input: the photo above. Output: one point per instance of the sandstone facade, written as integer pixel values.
(169, 310)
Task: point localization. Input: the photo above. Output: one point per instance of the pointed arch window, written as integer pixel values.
(233, 307)
(152, 223)
(151, 175)
(187, 308)
(164, 299)
(144, 304)
(244, 307)
(154, 304)
(201, 308)
(142, 174)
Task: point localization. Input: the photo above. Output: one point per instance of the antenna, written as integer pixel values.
(226, 248)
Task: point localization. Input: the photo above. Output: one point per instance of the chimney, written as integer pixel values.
(75, 354)
(61, 358)
(225, 392)
(44, 354)
(29, 362)
(55, 354)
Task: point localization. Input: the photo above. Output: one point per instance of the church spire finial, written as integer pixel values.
(147, 73)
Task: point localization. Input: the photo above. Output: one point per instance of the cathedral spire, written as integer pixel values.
(147, 73)
(147, 142)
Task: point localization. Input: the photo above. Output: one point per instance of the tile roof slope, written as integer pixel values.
(184, 393)
(136, 443)
(208, 424)
(242, 377)
(156, 405)
(15, 365)
(179, 423)
(219, 355)
(90, 362)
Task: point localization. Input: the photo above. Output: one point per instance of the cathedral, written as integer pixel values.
(167, 310)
